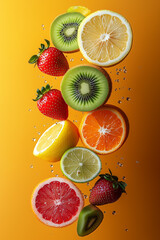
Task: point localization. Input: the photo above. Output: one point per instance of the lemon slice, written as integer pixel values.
(104, 38)
(83, 10)
(80, 164)
(56, 140)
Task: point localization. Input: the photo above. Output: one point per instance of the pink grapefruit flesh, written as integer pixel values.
(57, 202)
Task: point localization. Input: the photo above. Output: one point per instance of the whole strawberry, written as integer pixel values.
(107, 189)
(51, 103)
(50, 60)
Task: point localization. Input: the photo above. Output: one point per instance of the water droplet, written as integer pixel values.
(124, 78)
(51, 165)
(31, 166)
(42, 26)
(126, 229)
(124, 178)
(125, 71)
(29, 109)
(104, 211)
(117, 73)
(90, 190)
(128, 99)
(119, 101)
(137, 161)
(34, 126)
(120, 69)
(45, 81)
(114, 212)
(56, 175)
(116, 69)
(110, 72)
(85, 196)
(52, 171)
(115, 89)
(117, 80)
(44, 125)
(33, 139)
(81, 59)
(120, 164)
(45, 203)
(38, 133)
(55, 78)
(129, 89)
(72, 59)
(87, 183)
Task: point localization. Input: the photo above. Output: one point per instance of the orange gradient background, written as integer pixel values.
(21, 34)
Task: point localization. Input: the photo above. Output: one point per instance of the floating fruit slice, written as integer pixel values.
(57, 202)
(103, 130)
(80, 164)
(89, 219)
(85, 88)
(64, 31)
(56, 140)
(104, 38)
(83, 10)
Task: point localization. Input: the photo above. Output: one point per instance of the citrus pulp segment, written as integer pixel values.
(103, 130)
(80, 164)
(57, 202)
(56, 140)
(104, 38)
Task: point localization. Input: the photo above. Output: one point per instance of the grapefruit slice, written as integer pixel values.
(103, 130)
(57, 202)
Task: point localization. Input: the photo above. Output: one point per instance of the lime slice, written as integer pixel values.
(80, 164)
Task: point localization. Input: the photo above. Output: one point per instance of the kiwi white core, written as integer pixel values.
(84, 88)
(70, 31)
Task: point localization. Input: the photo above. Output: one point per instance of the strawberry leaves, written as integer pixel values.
(41, 92)
(34, 58)
(114, 180)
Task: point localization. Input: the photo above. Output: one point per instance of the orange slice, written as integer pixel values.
(103, 130)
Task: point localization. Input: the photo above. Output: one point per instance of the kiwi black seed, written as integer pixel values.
(64, 31)
(84, 88)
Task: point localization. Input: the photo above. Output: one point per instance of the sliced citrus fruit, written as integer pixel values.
(104, 38)
(83, 10)
(56, 140)
(103, 130)
(57, 202)
(80, 164)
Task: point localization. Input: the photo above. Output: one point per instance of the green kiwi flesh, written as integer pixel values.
(64, 31)
(89, 219)
(84, 88)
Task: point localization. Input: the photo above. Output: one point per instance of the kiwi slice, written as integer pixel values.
(84, 88)
(64, 31)
(89, 219)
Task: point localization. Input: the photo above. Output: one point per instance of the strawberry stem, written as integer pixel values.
(41, 92)
(34, 58)
(114, 180)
